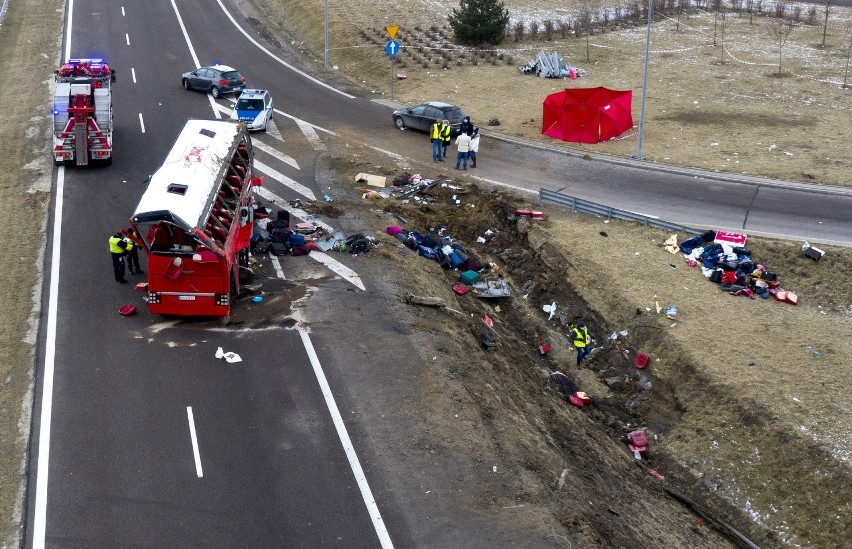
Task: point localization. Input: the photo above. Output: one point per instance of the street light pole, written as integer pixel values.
(645, 79)
(325, 29)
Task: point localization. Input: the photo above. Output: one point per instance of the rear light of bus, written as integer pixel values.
(223, 299)
(154, 298)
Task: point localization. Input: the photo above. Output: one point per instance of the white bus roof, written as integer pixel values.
(183, 185)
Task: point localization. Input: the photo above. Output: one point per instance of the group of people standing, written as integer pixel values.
(122, 249)
(467, 142)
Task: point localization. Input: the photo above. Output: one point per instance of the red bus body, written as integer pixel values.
(195, 220)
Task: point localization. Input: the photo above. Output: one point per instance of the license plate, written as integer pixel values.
(186, 298)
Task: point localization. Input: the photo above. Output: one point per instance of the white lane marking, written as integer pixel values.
(310, 135)
(122, 11)
(513, 187)
(210, 99)
(70, 13)
(342, 270)
(258, 144)
(141, 122)
(295, 212)
(195, 451)
(186, 36)
(401, 160)
(283, 179)
(40, 513)
(272, 129)
(133, 73)
(644, 215)
(270, 54)
(360, 477)
(127, 38)
(300, 122)
(277, 265)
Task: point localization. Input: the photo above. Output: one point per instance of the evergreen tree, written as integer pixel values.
(477, 22)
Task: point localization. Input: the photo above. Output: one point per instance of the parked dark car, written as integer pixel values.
(215, 79)
(423, 116)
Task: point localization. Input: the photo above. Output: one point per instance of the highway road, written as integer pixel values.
(142, 438)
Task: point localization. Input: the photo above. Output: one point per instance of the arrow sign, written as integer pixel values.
(392, 30)
(392, 47)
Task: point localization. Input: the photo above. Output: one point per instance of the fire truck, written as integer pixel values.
(195, 220)
(82, 112)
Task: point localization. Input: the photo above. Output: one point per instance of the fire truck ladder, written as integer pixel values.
(81, 144)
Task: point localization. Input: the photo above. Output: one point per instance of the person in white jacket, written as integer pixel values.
(463, 145)
(474, 147)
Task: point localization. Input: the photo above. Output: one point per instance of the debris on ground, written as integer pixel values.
(725, 260)
(551, 65)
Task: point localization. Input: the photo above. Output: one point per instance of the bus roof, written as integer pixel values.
(189, 177)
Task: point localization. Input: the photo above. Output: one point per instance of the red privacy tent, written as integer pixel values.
(587, 115)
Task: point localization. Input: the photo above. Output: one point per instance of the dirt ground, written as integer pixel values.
(721, 107)
(737, 428)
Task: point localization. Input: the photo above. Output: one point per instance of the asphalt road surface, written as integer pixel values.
(142, 438)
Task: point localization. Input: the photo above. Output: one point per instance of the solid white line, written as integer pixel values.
(284, 180)
(186, 36)
(40, 513)
(366, 493)
(70, 13)
(122, 11)
(513, 187)
(277, 265)
(339, 268)
(141, 122)
(195, 451)
(127, 38)
(270, 54)
(133, 73)
(257, 143)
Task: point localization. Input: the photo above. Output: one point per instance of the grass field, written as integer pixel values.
(722, 107)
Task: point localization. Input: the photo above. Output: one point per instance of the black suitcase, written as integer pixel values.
(280, 248)
(716, 276)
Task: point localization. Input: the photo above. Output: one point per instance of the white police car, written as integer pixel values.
(254, 107)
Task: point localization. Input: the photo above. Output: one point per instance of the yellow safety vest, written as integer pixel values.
(445, 132)
(115, 248)
(436, 131)
(581, 339)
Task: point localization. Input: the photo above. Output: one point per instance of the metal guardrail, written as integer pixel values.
(584, 206)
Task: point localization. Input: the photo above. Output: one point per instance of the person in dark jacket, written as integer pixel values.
(466, 126)
(133, 253)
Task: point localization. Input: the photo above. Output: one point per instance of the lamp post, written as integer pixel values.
(645, 79)
(325, 32)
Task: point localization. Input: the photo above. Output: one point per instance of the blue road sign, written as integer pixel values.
(392, 47)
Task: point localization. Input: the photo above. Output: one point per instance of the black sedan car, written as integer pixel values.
(423, 116)
(215, 79)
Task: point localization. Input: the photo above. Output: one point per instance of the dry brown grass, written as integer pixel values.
(29, 33)
(730, 112)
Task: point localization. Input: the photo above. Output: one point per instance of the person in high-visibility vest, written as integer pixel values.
(118, 247)
(446, 135)
(437, 141)
(581, 340)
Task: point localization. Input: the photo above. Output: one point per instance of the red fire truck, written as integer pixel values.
(195, 220)
(82, 112)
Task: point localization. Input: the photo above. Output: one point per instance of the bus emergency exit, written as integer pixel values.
(195, 220)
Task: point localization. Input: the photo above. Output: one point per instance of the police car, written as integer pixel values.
(254, 107)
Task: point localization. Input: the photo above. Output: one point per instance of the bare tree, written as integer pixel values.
(722, 25)
(779, 30)
(716, 5)
(848, 51)
(825, 25)
(584, 22)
